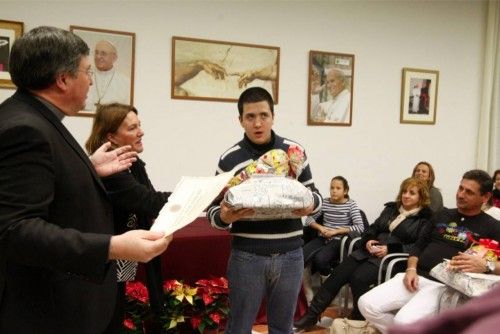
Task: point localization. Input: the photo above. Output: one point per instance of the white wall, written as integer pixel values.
(186, 137)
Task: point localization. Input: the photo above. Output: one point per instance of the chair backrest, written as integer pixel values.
(366, 223)
(347, 244)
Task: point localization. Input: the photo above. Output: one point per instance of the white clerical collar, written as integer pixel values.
(105, 73)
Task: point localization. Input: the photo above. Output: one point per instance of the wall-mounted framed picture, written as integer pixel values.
(220, 71)
(112, 56)
(9, 32)
(330, 89)
(419, 89)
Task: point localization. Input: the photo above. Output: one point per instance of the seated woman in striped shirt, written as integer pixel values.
(338, 216)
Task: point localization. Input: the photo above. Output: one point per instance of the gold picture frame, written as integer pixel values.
(330, 88)
(112, 56)
(211, 70)
(9, 32)
(419, 89)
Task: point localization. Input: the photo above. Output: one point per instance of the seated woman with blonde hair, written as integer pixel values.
(424, 171)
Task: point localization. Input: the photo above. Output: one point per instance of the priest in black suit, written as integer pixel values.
(57, 247)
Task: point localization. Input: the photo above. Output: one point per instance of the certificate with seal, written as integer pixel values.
(190, 197)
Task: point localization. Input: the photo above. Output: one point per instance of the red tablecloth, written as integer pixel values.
(197, 251)
(201, 251)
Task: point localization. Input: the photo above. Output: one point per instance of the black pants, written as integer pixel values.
(359, 274)
(322, 254)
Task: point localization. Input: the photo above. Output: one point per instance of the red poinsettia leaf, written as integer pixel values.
(137, 291)
(195, 321)
(171, 285)
(128, 323)
(220, 282)
(217, 290)
(207, 299)
(215, 317)
(202, 282)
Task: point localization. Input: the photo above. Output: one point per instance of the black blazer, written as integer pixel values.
(55, 227)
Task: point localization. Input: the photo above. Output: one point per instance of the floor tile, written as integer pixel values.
(321, 328)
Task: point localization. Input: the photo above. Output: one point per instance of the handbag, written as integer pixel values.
(470, 284)
(347, 326)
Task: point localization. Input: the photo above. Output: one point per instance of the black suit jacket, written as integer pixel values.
(55, 227)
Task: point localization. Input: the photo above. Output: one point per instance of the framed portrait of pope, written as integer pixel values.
(112, 56)
(330, 89)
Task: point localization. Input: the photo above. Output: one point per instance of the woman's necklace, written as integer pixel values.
(99, 95)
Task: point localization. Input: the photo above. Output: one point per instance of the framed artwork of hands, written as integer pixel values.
(220, 71)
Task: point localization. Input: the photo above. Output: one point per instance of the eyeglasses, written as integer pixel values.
(89, 72)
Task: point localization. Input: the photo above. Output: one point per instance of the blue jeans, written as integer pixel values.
(251, 277)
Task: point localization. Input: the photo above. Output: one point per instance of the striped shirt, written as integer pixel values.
(339, 215)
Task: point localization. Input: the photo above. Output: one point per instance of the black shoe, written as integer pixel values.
(306, 322)
(318, 304)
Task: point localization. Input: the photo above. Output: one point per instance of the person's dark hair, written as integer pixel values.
(344, 183)
(482, 178)
(423, 191)
(108, 118)
(41, 54)
(255, 94)
(432, 176)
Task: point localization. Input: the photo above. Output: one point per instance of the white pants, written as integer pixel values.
(392, 303)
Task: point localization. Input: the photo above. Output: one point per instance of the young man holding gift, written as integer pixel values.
(266, 257)
(414, 295)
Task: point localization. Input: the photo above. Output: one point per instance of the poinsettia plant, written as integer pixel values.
(211, 304)
(206, 305)
(137, 309)
(178, 299)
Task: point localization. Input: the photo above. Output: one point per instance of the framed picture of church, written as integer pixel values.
(9, 32)
(112, 55)
(220, 71)
(419, 90)
(330, 88)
